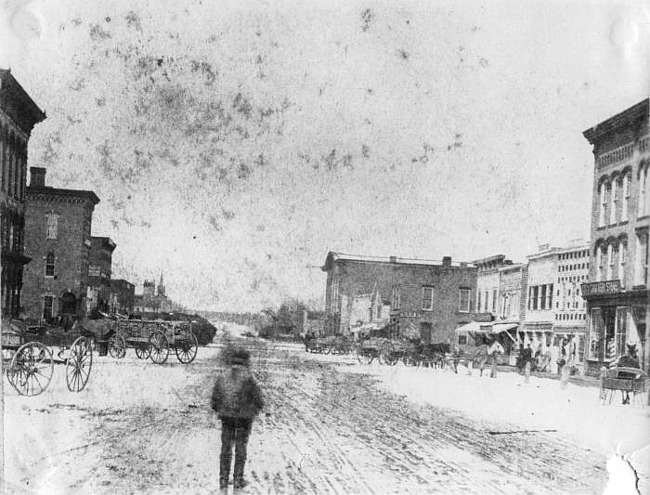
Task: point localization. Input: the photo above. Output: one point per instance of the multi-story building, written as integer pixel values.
(18, 116)
(499, 285)
(569, 307)
(542, 275)
(100, 262)
(617, 293)
(122, 298)
(57, 238)
(432, 297)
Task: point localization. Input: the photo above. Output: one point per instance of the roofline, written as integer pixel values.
(52, 191)
(394, 260)
(620, 120)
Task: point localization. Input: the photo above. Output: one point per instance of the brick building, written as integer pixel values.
(57, 238)
(122, 299)
(541, 284)
(617, 294)
(100, 262)
(432, 298)
(18, 116)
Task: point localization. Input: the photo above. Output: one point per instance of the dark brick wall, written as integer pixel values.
(71, 268)
(359, 277)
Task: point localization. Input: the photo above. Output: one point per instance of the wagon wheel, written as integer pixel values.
(387, 354)
(31, 369)
(117, 346)
(186, 345)
(365, 355)
(159, 347)
(143, 351)
(411, 359)
(79, 364)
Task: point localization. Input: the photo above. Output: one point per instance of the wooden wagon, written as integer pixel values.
(627, 381)
(30, 353)
(153, 339)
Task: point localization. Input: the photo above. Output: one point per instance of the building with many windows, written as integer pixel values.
(57, 238)
(570, 307)
(542, 274)
(427, 298)
(18, 116)
(122, 298)
(617, 293)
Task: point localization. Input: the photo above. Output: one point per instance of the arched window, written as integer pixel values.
(613, 200)
(641, 264)
(626, 195)
(644, 201)
(49, 265)
(602, 204)
(610, 262)
(622, 257)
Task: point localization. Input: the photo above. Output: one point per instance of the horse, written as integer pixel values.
(478, 355)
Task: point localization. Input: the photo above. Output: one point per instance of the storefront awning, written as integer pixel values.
(503, 327)
(473, 326)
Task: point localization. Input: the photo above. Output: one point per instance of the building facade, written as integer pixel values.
(617, 293)
(18, 116)
(122, 298)
(153, 301)
(570, 307)
(426, 297)
(100, 262)
(57, 238)
(541, 284)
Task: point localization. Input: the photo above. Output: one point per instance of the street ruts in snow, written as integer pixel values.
(150, 429)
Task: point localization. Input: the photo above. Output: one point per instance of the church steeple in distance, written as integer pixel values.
(161, 286)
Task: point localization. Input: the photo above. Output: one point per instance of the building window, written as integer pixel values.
(621, 262)
(462, 339)
(602, 344)
(48, 306)
(494, 300)
(644, 201)
(610, 261)
(614, 201)
(626, 196)
(427, 298)
(599, 263)
(478, 301)
(379, 312)
(486, 302)
(549, 297)
(641, 265)
(464, 295)
(49, 265)
(52, 225)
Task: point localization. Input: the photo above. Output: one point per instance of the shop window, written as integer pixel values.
(621, 330)
(602, 343)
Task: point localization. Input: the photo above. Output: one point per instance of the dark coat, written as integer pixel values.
(236, 394)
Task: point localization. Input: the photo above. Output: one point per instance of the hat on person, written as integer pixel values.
(241, 357)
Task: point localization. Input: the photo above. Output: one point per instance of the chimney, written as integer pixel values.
(446, 261)
(392, 259)
(38, 177)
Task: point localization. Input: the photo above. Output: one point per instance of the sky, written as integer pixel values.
(234, 143)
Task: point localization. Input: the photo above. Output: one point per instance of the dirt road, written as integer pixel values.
(148, 429)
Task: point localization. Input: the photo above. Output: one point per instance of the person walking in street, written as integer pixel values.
(568, 356)
(237, 399)
(527, 361)
(493, 351)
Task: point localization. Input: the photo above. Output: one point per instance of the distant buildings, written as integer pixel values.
(427, 299)
(617, 297)
(18, 116)
(122, 297)
(99, 273)
(153, 301)
(57, 238)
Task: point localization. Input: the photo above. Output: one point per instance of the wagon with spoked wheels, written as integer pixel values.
(154, 339)
(31, 351)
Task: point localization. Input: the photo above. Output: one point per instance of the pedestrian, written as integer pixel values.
(568, 360)
(527, 361)
(493, 351)
(554, 354)
(237, 399)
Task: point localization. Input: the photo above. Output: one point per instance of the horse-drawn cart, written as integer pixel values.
(29, 354)
(153, 339)
(622, 379)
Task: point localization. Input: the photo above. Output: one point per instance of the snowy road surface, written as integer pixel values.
(334, 427)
